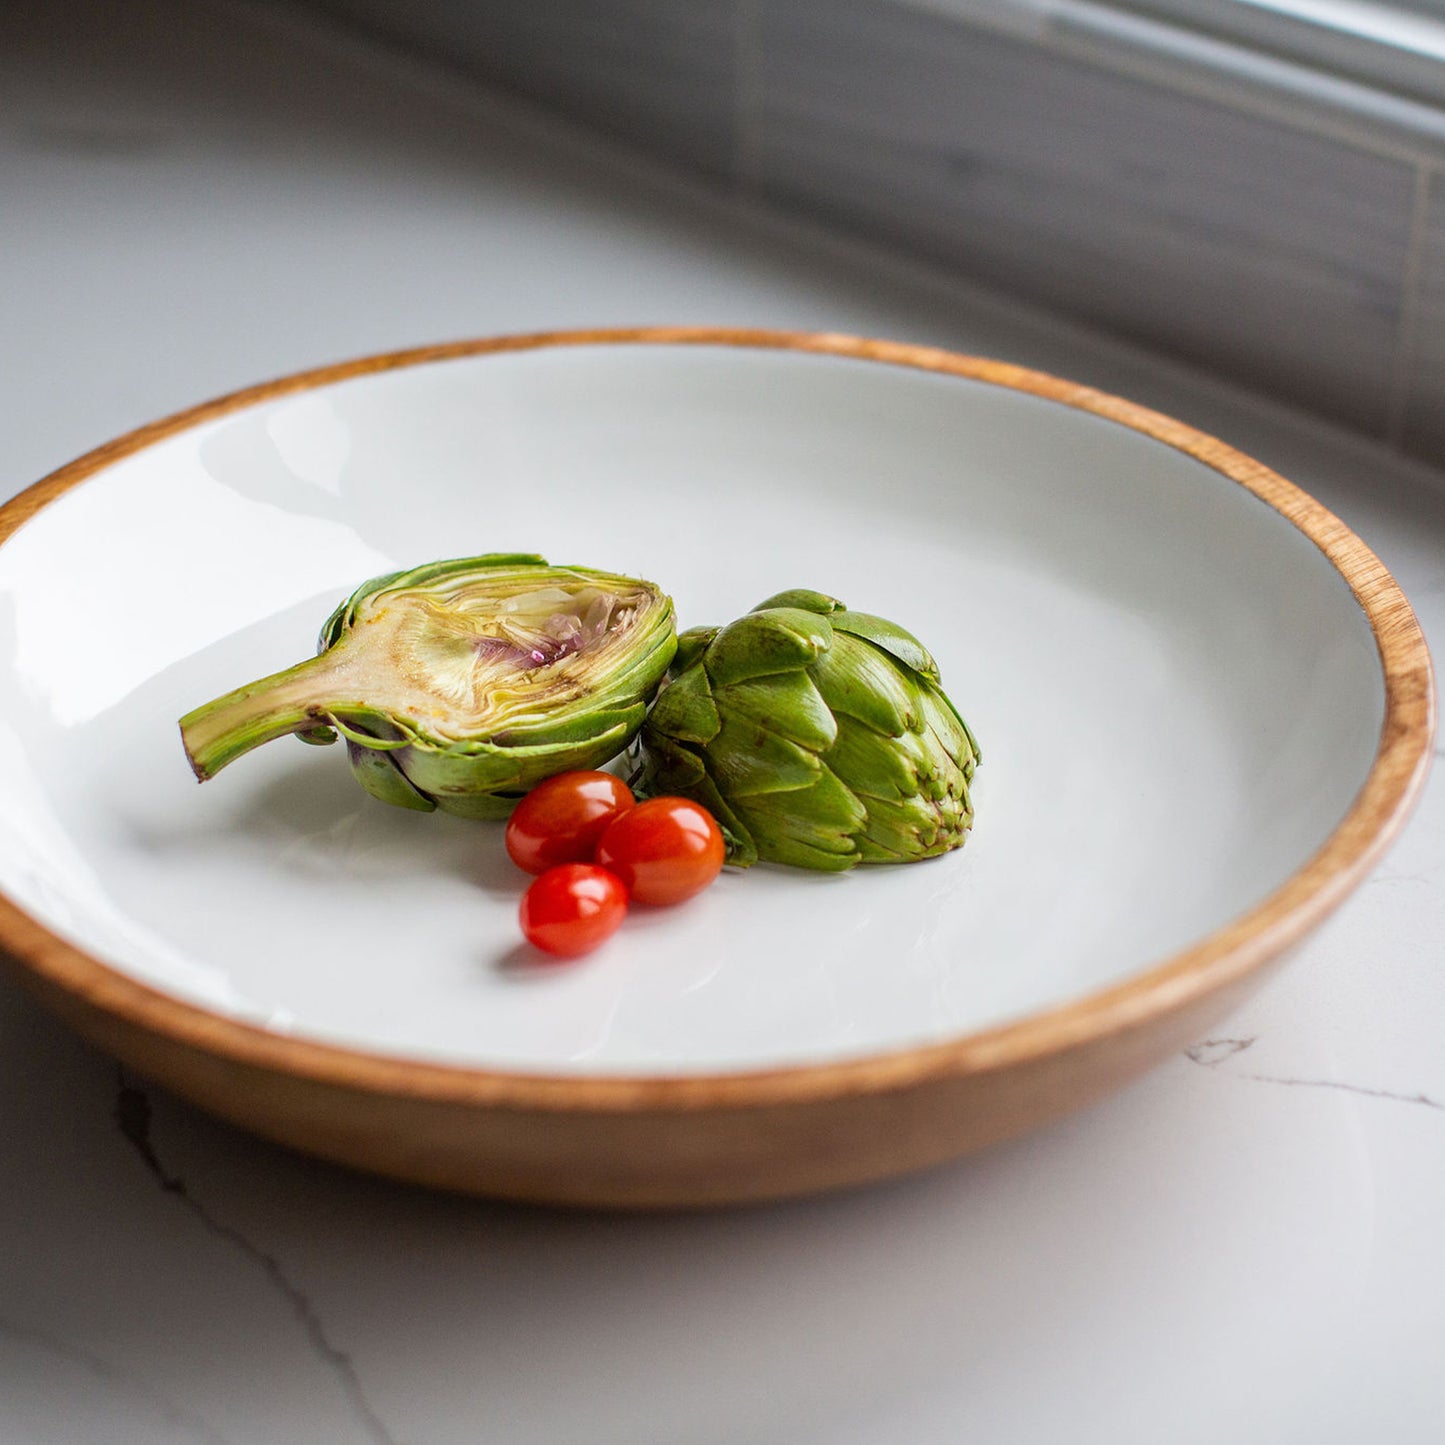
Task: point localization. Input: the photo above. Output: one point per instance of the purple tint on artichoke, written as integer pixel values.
(459, 685)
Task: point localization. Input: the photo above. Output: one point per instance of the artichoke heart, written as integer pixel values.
(459, 685)
(816, 736)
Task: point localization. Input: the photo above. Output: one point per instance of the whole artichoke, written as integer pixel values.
(816, 736)
(459, 685)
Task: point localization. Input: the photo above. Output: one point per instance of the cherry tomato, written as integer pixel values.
(664, 850)
(562, 818)
(571, 909)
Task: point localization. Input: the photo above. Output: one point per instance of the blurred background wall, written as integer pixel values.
(1233, 200)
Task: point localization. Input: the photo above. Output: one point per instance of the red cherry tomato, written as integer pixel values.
(571, 909)
(562, 818)
(664, 850)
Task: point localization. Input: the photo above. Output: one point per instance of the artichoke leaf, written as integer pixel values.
(506, 769)
(894, 640)
(545, 732)
(826, 816)
(788, 704)
(880, 766)
(486, 807)
(763, 643)
(366, 728)
(685, 708)
(747, 759)
(860, 681)
(803, 599)
(691, 645)
(384, 781)
(667, 766)
(795, 853)
(912, 827)
(948, 727)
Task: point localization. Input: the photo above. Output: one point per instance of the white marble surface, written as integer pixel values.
(1245, 1245)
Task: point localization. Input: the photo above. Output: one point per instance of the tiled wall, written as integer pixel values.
(658, 73)
(1156, 215)
(1424, 417)
(1300, 257)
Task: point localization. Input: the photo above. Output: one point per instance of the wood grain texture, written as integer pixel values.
(670, 1141)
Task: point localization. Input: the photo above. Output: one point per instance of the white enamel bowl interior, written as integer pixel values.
(1176, 695)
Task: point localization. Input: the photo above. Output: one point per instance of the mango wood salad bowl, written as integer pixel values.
(1204, 710)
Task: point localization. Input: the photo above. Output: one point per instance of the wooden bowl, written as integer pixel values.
(1204, 705)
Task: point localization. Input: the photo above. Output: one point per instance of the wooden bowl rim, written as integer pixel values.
(1220, 959)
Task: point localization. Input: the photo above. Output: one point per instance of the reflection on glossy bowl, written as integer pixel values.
(1204, 709)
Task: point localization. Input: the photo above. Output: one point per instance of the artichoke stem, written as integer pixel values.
(292, 701)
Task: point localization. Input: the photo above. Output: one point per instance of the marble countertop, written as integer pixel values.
(1246, 1244)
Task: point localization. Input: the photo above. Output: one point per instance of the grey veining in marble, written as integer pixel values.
(1210, 1053)
(1168, 219)
(1424, 419)
(659, 73)
(133, 1114)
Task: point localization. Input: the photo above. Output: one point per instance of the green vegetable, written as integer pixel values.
(816, 736)
(458, 685)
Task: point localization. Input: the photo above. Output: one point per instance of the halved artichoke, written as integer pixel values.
(816, 736)
(459, 685)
